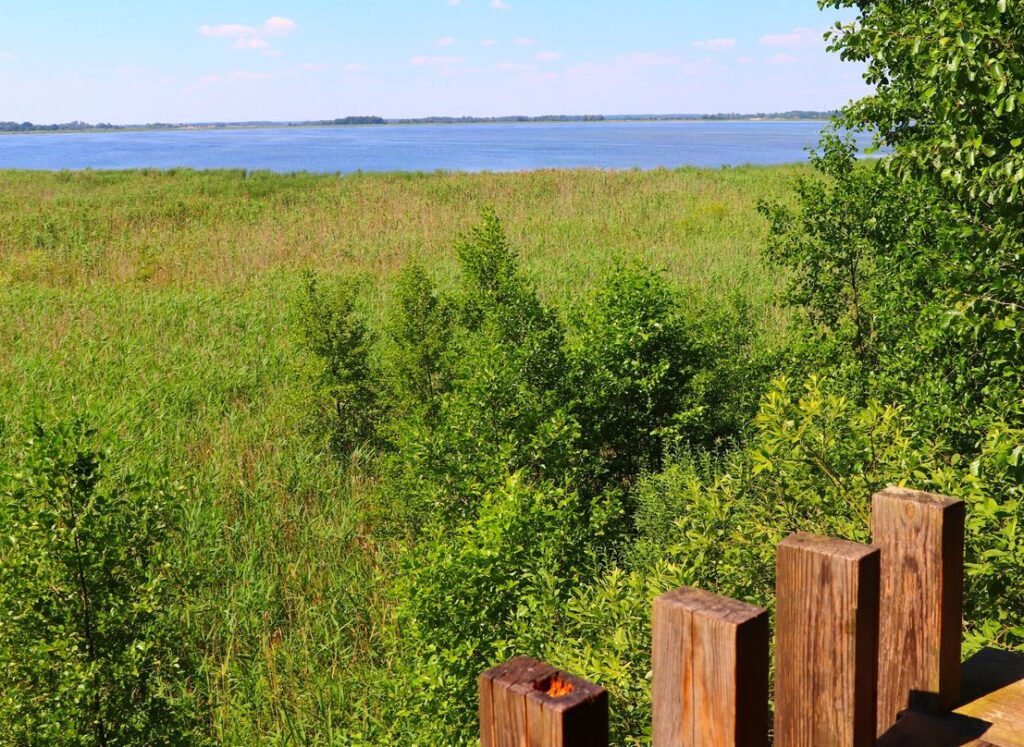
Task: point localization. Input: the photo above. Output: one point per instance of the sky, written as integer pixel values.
(236, 60)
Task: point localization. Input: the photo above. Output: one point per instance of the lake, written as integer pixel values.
(461, 147)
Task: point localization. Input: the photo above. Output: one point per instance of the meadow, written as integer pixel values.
(161, 306)
(291, 459)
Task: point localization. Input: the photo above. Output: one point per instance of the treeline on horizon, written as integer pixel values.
(79, 126)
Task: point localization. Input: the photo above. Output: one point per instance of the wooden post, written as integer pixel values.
(710, 662)
(826, 643)
(525, 703)
(921, 537)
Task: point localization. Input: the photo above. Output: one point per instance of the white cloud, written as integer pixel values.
(550, 56)
(745, 60)
(355, 67)
(488, 43)
(445, 41)
(524, 41)
(715, 45)
(277, 25)
(251, 44)
(7, 55)
(782, 59)
(252, 38)
(455, 2)
(797, 38)
(500, 5)
(439, 61)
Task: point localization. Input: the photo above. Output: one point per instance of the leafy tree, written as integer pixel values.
(948, 79)
(90, 652)
(348, 395)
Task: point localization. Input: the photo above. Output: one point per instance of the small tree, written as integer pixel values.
(948, 80)
(88, 647)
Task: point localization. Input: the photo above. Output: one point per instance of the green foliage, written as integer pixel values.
(420, 332)
(634, 361)
(494, 587)
(947, 79)
(165, 301)
(90, 648)
(486, 380)
(909, 280)
(948, 76)
(511, 436)
(336, 333)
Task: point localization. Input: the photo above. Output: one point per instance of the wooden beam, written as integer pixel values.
(710, 679)
(992, 714)
(525, 703)
(921, 537)
(826, 643)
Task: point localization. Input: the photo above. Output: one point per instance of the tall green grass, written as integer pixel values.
(161, 306)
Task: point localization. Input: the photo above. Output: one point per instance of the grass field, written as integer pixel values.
(161, 305)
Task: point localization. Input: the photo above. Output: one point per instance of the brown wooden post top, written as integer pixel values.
(526, 703)
(921, 536)
(710, 662)
(826, 643)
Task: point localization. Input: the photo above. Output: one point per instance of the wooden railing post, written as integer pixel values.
(710, 671)
(525, 703)
(921, 537)
(826, 643)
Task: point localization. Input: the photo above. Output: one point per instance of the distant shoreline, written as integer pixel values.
(70, 129)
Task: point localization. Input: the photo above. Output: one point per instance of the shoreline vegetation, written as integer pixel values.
(293, 458)
(162, 307)
(23, 128)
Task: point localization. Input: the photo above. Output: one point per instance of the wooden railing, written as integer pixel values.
(865, 634)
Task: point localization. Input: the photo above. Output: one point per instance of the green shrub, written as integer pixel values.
(89, 646)
(510, 436)
(348, 408)
(494, 587)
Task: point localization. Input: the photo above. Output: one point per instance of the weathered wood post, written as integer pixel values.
(826, 644)
(525, 703)
(710, 661)
(921, 537)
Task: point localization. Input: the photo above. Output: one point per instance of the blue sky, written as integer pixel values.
(196, 60)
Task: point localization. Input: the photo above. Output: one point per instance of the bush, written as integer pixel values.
(494, 587)
(89, 646)
(347, 395)
(509, 438)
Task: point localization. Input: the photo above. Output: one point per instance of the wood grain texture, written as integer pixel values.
(921, 536)
(826, 643)
(710, 671)
(921, 730)
(994, 684)
(517, 711)
(992, 714)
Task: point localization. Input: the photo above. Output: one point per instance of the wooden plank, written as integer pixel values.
(526, 703)
(921, 536)
(919, 729)
(826, 643)
(994, 682)
(992, 715)
(710, 671)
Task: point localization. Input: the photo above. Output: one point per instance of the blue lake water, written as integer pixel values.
(463, 147)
